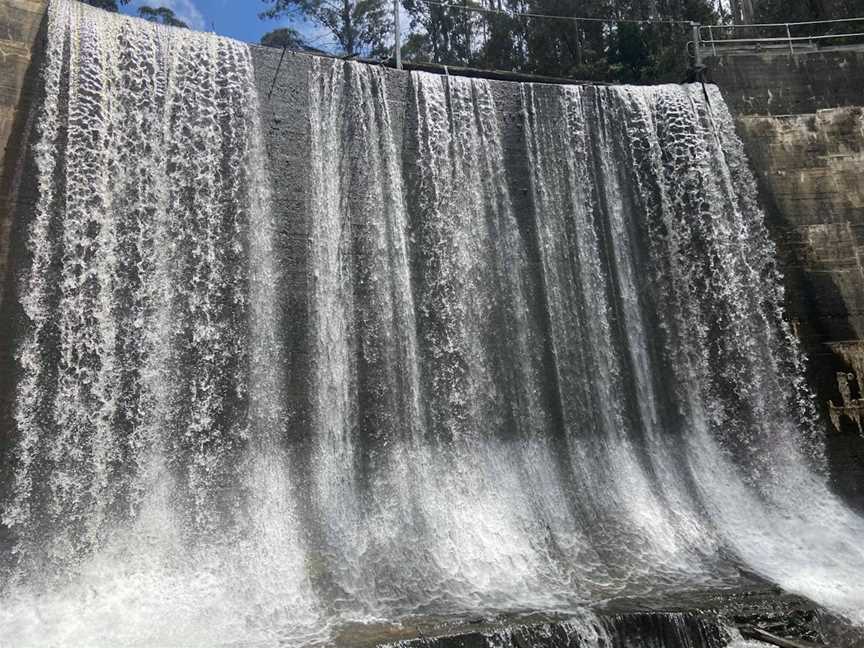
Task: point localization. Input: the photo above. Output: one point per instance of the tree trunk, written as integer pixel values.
(348, 34)
(742, 11)
(748, 11)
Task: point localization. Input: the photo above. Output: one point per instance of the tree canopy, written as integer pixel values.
(162, 15)
(358, 27)
(108, 5)
(563, 38)
(512, 35)
(284, 37)
(544, 37)
(801, 10)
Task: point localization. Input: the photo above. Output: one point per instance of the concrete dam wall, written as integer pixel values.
(801, 119)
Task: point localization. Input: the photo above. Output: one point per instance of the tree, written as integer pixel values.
(360, 27)
(445, 32)
(108, 5)
(798, 10)
(544, 36)
(162, 15)
(284, 37)
(742, 11)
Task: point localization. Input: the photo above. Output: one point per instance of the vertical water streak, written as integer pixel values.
(489, 503)
(366, 422)
(134, 382)
(612, 412)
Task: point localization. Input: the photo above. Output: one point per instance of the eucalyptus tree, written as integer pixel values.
(798, 10)
(284, 37)
(162, 15)
(359, 27)
(440, 34)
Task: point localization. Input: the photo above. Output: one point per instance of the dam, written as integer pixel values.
(306, 352)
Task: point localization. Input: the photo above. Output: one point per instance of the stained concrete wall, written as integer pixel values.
(20, 26)
(778, 83)
(805, 137)
(801, 119)
(284, 92)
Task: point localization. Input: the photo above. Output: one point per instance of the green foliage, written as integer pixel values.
(441, 34)
(162, 15)
(284, 37)
(496, 34)
(360, 27)
(777, 11)
(108, 5)
(801, 10)
(591, 50)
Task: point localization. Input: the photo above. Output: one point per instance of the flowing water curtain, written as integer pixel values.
(749, 452)
(496, 490)
(735, 365)
(134, 361)
(366, 421)
(782, 515)
(151, 472)
(642, 526)
(405, 509)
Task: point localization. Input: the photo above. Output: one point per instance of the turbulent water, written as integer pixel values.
(530, 381)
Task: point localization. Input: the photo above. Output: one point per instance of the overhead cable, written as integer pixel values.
(526, 14)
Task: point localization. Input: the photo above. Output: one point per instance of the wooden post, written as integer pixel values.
(697, 46)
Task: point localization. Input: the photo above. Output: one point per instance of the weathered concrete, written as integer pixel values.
(20, 26)
(802, 122)
(809, 169)
(777, 83)
(702, 619)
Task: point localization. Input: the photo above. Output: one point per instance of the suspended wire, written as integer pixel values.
(526, 14)
(791, 24)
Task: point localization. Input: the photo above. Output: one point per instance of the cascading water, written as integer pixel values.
(149, 407)
(507, 402)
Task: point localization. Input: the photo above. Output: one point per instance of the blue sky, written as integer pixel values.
(235, 18)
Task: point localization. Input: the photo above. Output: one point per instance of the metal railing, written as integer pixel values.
(793, 36)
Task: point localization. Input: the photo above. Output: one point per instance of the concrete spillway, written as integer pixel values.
(486, 401)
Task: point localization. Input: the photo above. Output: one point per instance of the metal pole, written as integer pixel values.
(397, 35)
(789, 36)
(697, 49)
(713, 41)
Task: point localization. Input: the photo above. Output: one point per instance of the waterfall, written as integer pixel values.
(544, 367)
(149, 406)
